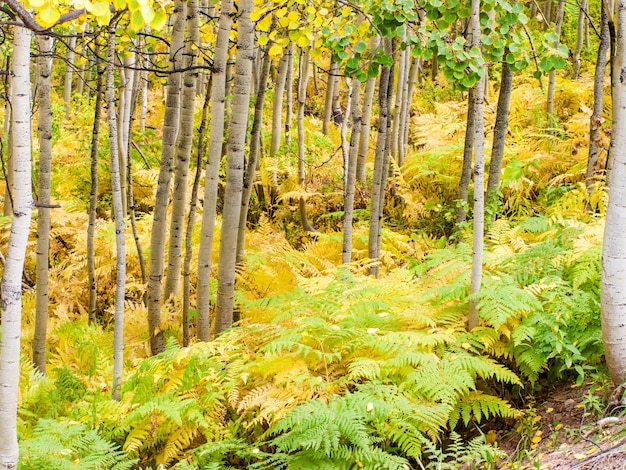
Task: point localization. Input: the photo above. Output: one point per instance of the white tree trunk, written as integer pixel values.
(479, 179)
(159, 218)
(234, 169)
(16, 252)
(43, 220)
(205, 250)
(614, 249)
(69, 74)
(118, 214)
(183, 153)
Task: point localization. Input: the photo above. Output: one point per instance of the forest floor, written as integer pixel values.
(569, 427)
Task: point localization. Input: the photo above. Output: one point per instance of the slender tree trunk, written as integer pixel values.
(253, 158)
(43, 220)
(397, 108)
(183, 153)
(303, 81)
(289, 95)
(350, 175)
(345, 145)
(93, 195)
(595, 136)
(479, 179)
(468, 150)
(118, 214)
(69, 74)
(127, 79)
(159, 222)
(16, 251)
(405, 111)
(364, 136)
(552, 79)
(234, 170)
(381, 158)
(613, 296)
(192, 215)
(580, 37)
(7, 208)
(499, 133)
(218, 92)
(331, 84)
(277, 105)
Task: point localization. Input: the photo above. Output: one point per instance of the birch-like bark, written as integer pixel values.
(332, 82)
(499, 133)
(289, 94)
(16, 251)
(277, 104)
(7, 208)
(118, 215)
(69, 74)
(253, 158)
(218, 93)
(595, 136)
(159, 220)
(580, 36)
(127, 81)
(183, 152)
(303, 81)
(552, 79)
(468, 150)
(345, 145)
(613, 294)
(405, 110)
(93, 194)
(397, 107)
(479, 179)
(44, 62)
(193, 203)
(234, 169)
(350, 175)
(381, 160)
(364, 136)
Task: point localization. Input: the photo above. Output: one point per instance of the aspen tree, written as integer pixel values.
(613, 291)
(118, 215)
(381, 158)
(479, 176)
(350, 174)
(93, 194)
(596, 120)
(234, 169)
(16, 251)
(552, 78)
(159, 218)
(253, 158)
(499, 133)
(44, 68)
(216, 137)
(303, 81)
(183, 152)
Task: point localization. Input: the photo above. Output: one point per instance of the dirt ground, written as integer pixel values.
(569, 427)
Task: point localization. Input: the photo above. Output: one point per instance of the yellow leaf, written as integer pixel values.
(36, 4)
(159, 20)
(580, 456)
(148, 13)
(558, 426)
(48, 16)
(264, 24)
(303, 41)
(100, 9)
(275, 51)
(536, 439)
(263, 39)
(550, 410)
(136, 21)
